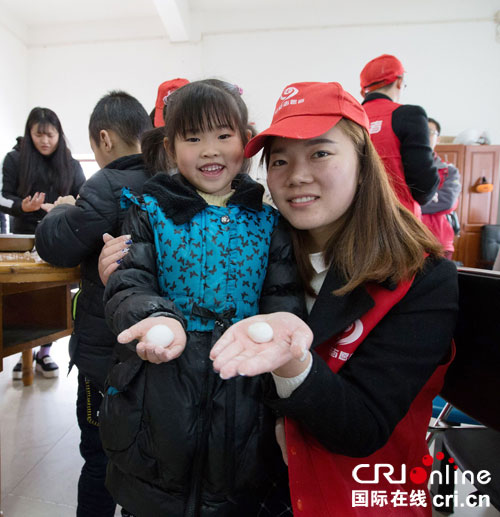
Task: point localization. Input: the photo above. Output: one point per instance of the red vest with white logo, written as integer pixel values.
(388, 146)
(322, 483)
(438, 223)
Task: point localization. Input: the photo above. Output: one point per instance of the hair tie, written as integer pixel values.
(165, 99)
(240, 90)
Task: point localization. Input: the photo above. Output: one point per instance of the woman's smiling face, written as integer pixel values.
(313, 182)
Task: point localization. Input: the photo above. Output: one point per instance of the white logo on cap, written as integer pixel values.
(288, 93)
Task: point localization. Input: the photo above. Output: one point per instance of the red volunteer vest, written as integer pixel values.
(322, 483)
(437, 223)
(388, 146)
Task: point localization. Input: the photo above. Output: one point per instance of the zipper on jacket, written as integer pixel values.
(194, 499)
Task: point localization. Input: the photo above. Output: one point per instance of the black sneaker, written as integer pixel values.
(17, 371)
(47, 367)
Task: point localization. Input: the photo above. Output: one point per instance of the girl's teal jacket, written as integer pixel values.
(182, 441)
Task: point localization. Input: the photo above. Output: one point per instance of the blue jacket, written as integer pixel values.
(217, 260)
(182, 441)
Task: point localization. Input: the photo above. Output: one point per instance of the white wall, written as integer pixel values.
(452, 69)
(13, 88)
(76, 76)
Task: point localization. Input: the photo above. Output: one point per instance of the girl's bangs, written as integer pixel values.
(204, 114)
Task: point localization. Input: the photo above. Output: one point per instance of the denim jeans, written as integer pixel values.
(93, 498)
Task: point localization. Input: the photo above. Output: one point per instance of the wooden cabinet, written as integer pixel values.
(474, 209)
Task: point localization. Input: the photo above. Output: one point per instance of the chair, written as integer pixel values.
(446, 417)
(472, 384)
(490, 244)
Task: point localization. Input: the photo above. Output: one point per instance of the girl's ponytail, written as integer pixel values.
(153, 151)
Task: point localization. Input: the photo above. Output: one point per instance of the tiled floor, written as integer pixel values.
(39, 442)
(39, 445)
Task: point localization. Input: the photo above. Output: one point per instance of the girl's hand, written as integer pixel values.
(285, 355)
(112, 254)
(33, 203)
(149, 351)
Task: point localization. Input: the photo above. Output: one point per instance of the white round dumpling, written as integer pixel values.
(260, 332)
(160, 335)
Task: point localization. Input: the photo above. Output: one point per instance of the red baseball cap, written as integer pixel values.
(382, 70)
(164, 90)
(307, 110)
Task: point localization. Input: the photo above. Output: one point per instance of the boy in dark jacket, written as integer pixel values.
(72, 234)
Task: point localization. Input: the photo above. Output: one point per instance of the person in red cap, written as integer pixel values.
(164, 90)
(399, 133)
(153, 150)
(355, 383)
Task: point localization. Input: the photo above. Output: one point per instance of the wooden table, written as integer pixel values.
(35, 305)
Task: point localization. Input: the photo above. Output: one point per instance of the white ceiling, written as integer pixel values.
(34, 21)
(35, 12)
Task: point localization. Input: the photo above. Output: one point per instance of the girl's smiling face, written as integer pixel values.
(313, 182)
(210, 159)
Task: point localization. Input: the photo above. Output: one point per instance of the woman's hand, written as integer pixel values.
(112, 254)
(285, 355)
(149, 351)
(33, 203)
(61, 200)
(65, 200)
(47, 206)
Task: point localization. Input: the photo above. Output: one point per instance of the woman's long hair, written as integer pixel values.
(32, 163)
(377, 239)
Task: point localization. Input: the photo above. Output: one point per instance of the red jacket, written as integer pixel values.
(324, 484)
(387, 144)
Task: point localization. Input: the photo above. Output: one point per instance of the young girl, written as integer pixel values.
(35, 174)
(382, 308)
(205, 253)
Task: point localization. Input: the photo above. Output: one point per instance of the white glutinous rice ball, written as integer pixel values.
(160, 335)
(260, 332)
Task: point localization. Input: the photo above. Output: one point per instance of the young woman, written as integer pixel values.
(382, 307)
(35, 174)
